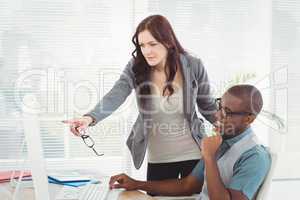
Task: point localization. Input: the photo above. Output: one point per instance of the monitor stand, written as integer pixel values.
(35, 156)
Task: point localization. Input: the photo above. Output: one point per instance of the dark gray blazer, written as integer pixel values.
(196, 91)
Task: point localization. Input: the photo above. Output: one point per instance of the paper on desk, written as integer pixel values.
(71, 184)
(5, 176)
(68, 176)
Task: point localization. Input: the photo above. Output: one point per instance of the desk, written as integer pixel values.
(28, 193)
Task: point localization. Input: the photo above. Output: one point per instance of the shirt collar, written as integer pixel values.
(235, 139)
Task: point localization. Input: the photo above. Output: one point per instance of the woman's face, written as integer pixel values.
(154, 52)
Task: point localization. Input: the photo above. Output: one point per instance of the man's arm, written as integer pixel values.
(216, 188)
(173, 187)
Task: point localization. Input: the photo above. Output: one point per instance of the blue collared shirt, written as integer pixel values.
(250, 169)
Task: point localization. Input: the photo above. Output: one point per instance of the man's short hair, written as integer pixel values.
(251, 97)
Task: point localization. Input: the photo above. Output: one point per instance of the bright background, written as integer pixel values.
(59, 57)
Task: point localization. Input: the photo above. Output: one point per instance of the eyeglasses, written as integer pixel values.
(226, 111)
(89, 142)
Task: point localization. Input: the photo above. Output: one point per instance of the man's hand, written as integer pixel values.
(123, 181)
(210, 145)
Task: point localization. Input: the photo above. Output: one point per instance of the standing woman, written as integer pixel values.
(169, 85)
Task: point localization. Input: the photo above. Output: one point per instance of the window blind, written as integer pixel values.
(56, 58)
(285, 63)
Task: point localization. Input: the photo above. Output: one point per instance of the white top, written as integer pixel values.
(170, 139)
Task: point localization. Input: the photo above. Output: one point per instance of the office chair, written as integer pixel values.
(263, 191)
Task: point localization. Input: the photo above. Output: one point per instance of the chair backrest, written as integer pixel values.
(265, 187)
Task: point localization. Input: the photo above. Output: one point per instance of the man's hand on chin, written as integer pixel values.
(210, 145)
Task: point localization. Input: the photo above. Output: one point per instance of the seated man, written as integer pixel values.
(233, 164)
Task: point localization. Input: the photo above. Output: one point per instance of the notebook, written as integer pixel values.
(67, 177)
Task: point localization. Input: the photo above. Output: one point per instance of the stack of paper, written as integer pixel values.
(5, 176)
(69, 178)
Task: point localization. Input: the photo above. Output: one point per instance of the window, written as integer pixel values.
(57, 59)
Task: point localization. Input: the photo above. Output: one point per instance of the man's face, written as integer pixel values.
(230, 122)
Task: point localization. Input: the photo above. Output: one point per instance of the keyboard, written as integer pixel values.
(94, 192)
(89, 192)
(68, 193)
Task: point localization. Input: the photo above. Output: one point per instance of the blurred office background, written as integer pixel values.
(59, 57)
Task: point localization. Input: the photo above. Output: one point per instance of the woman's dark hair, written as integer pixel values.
(161, 30)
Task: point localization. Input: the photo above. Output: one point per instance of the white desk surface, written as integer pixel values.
(28, 193)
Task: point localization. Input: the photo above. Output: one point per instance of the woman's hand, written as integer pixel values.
(79, 125)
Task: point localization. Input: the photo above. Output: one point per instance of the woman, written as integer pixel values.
(169, 85)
